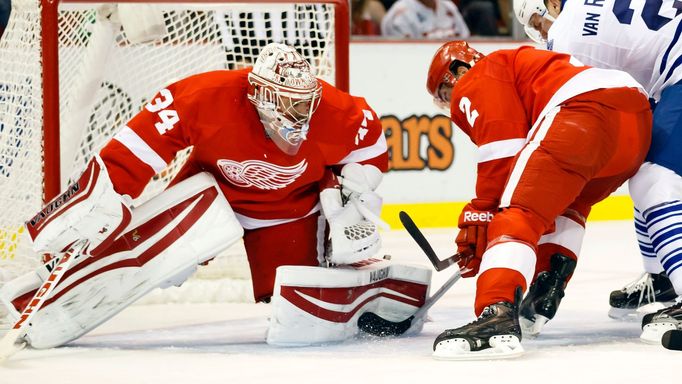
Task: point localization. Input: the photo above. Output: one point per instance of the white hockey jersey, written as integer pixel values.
(641, 37)
(412, 19)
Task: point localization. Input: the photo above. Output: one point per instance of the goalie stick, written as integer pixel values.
(672, 340)
(12, 342)
(370, 322)
(374, 324)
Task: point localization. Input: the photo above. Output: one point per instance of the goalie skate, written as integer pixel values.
(496, 334)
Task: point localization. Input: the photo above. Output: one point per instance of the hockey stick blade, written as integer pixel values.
(373, 324)
(419, 238)
(376, 325)
(672, 340)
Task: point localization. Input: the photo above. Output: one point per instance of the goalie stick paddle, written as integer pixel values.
(12, 342)
(370, 322)
(419, 238)
(672, 340)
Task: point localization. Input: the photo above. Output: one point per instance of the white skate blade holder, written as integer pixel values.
(457, 349)
(636, 315)
(532, 328)
(652, 333)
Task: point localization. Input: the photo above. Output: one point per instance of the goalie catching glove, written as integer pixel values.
(352, 210)
(90, 209)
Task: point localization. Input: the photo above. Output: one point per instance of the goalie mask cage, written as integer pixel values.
(72, 73)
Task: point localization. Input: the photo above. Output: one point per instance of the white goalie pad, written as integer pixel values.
(316, 305)
(167, 238)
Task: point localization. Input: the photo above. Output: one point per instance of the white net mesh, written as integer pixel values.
(104, 79)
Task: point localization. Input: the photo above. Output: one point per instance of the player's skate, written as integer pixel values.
(647, 294)
(545, 294)
(654, 325)
(496, 334)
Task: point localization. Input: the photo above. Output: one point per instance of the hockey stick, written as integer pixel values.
(672, 340)
(12, 342)
(370, 322)
(418, 237)
(374, 324)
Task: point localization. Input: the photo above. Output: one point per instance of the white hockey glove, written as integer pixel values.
(353, 215)
(89, 209)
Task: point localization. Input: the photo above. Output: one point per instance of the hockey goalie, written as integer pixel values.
(280, 159)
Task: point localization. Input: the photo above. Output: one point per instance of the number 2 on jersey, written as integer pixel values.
(169, 117)
(465, 107)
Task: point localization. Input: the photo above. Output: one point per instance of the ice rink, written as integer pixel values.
(224, 343)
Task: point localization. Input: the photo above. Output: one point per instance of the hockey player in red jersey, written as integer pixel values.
(286, 159)
(554, 138)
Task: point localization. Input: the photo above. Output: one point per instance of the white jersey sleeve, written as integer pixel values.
(641, 37)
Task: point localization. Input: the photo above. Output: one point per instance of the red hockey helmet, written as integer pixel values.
(444, 65)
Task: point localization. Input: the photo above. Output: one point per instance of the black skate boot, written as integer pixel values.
(649, 288)
(654, 325)
(496, 334)
(545, 294)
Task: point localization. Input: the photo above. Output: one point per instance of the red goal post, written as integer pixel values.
(70, 78)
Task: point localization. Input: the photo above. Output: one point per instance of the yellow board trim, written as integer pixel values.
(429, 215)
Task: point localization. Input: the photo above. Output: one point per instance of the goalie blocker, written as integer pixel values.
(168, 236)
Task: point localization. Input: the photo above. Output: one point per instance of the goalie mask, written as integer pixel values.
(524, 11)
(443, 73)
(286, 93)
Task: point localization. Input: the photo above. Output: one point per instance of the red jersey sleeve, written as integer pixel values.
(348, 130)
(150, 140)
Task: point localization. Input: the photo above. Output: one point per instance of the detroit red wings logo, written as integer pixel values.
(259, 174)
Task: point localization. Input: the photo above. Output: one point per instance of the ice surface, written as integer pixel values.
(224, 343)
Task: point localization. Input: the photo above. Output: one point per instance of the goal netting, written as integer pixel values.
(73, 72)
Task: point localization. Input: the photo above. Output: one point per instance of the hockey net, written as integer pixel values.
(49, 129)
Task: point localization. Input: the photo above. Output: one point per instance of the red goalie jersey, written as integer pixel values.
(265, 186)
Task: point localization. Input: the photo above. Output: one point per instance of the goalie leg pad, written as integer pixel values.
(316, 305)
(168, 237)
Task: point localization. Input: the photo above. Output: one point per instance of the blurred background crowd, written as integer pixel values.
(431, 19)
(415, 19)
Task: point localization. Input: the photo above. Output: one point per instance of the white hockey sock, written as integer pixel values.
(664, 226)
(646, 248)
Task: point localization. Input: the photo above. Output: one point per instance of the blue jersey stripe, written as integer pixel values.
(678, 61)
